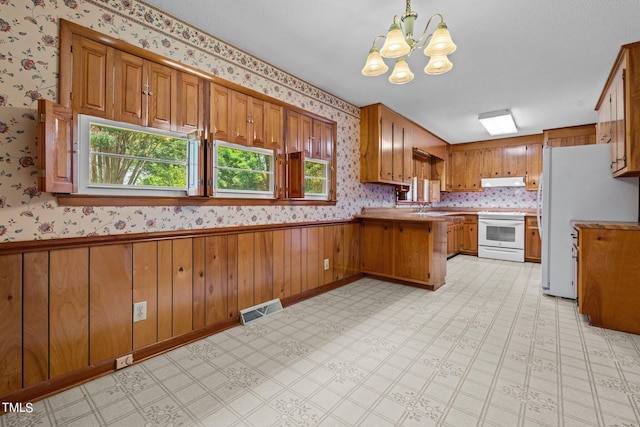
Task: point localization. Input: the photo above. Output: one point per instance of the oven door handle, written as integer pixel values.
(501, 223)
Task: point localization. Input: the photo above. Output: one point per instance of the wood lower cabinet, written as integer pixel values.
(409, 251)
(455, 237)
(608, 275)
(470, 235)
(532, 243)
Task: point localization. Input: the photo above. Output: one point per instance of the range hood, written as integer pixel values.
(514, 181)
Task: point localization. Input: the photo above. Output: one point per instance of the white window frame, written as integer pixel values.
(246, 194)
(84, 154)
(318, 196)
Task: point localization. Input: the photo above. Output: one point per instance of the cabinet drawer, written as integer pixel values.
(532, 221)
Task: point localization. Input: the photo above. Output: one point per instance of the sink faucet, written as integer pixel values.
(422, 209)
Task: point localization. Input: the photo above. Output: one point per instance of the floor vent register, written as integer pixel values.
(251, 314)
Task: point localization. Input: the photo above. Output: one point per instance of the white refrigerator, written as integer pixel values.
(577, 184)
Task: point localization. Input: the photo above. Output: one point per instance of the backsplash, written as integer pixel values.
(505, 197)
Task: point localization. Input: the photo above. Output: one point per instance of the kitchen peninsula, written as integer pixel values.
(405, 245)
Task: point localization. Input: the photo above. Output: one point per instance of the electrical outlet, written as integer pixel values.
(326, 263)
(139, 311)
(124, 361)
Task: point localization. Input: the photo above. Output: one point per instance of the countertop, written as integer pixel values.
(606, 225)
(409, 214)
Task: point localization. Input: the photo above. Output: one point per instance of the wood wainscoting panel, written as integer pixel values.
(199, 254)
(10, 322)
(145, 288)
(295, 259)
(246, 255)
(68, 310)
(110, 301)
(165, 289)
(263, 267)
(279, 263)
(352, 249)
(232, 278)
(217, 275)
(182, 286)
(36, 312)
(66, 305)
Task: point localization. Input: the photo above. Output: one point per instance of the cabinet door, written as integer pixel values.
(238, 117)
(386, 149)
(163, 96)
(306, 131)
(532, 243)
(492, 162)
(470, 234)
(411, 246)
(328, 136)
(92, 78)
(458, 171)
(317, 145)
(514, 160)
(220, 106)
(407, 153)
(294, 143)
(534, 166)
(273, 127)
(473, 165)
(255, 121)
(130, 94)
(189, 103)
(377, 235)
(618, 121)
(57, 157)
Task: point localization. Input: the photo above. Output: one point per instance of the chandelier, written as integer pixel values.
(398, 44)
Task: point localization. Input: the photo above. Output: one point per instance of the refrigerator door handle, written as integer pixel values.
(539, 206)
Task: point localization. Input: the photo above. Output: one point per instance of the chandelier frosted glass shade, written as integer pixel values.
(401, 73)
(395, 45)
(440, 43)
(438, 64)
(375, 64)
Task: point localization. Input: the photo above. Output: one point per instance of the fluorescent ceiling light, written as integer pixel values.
(498, 122)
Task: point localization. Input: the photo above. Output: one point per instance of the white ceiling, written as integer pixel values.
(546, 60)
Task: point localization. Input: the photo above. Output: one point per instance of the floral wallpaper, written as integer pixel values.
(29, 71)
(506, 197)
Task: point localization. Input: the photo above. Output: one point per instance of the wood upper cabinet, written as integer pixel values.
(219, 109)
(491, 162)
(92, 85)
(274, 127)
(570, 136)
(190, 103)
(534, 166)
(386, 147)
(322, 140)
(473, 164)
(466, 170)
(514, 160)
(619, 112)
(246, 120)
(116, 85)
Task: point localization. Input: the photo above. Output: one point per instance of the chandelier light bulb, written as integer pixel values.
(395, 45)
(438, 64)
(440, 43)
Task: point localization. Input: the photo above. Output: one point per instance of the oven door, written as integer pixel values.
(503, 233)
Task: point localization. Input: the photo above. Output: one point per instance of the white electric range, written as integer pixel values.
(501, 235)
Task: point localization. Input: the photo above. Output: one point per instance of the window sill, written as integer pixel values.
(101, 200)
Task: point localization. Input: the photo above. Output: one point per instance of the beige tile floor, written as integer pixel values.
(485, 349)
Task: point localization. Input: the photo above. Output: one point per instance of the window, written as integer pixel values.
(316, 179)
(122, 159)
(241, 171)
